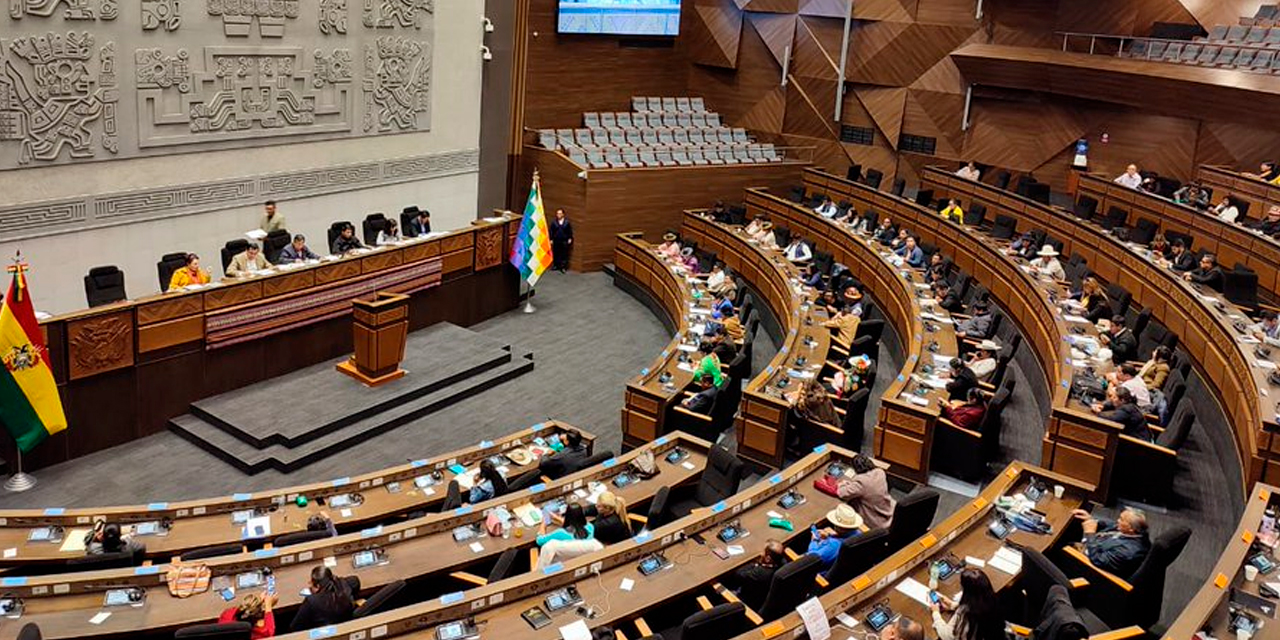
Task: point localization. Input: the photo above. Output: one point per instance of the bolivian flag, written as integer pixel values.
(29, 404)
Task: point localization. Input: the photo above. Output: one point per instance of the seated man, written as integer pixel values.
(1121, 341)
(969, 172)
(248, 261)
(798, 251)
(419, 224)
(346, 241)
(1208, 273)
(1270, 224)
(1268, 330)
(1120, 407)
(297, 251)
(567, 460)
(946, 297)
(867, 492)
(911, 254)
(982, 362)
(702, 401)
(754, 579)
(1047, 264)
(827, 209)
(1117, 547)
(1180, 259)
(715, 280)
(904, 629)
(825, 542)
(1127, 376)
(1130, 178)
(979, 325)
(1192, 196)
(962, 380)
(886, 232)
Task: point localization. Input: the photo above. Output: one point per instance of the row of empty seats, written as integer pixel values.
(668, 104)
(624, 119)
(1257, 60)
(565, 139)
(613, 158)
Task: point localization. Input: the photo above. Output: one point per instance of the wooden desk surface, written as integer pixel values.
(961, 534)
(1204, 331)
(62, 604)
(207, 522)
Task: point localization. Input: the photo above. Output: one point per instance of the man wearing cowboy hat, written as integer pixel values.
(825, 542)
(1047, 264)
(983, 362)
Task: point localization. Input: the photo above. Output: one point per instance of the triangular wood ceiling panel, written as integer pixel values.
(778, 32)
(767, 113)
(944, 77)
(936, 115)
(1214, 12)
(825, 8)
(960, 12)
(715, 31)
(809, 56)
(895, 54)
(886, 106)
(810, 106)
(771, 6)
(737, 94)
(882, 10)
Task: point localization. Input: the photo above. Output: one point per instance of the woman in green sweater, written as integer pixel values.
(575, 527)
(710, 364)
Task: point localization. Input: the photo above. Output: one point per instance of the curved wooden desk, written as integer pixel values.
(151, 357)
(496, 607)
(62, 604)
(762, 417)
(962, 534)
(208, 522)
(1076, 442)
(1226, 181)
(1208, 609)
(647, 397)
(904, 429)
(1232, 243)
(1203, 329)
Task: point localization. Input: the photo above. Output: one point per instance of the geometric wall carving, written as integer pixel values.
(197, 75)
(128, 207)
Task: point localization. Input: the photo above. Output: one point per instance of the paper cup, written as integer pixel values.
(1058, 490)
(1250, 572)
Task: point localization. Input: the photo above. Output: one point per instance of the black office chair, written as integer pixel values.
(1002, 180)
(300, 537)
(912, 517)
(1240, 286)
(104, 285)
(658, 513)
(1039, 578)
(373, 223)
(1143, 231)
(924, 197)
(719, 481)
(525, 480)
(216, 631)
(169, 263)
(117, 560)
(975, 215)
(855, 416)
(1085, 207)
(899, 186)
(1039, 192)
(212, 552)
(792, 585)
(379, 600)
(1004, 227)
(857, 555)
(30, 631)
(720, 622)
(867, 340)
(408, 214)
(1116, 218)
(854, 173)
(274, 243)
(505, 566)
(231, 249)
(452, 497)
(796, 194)
(873, 178)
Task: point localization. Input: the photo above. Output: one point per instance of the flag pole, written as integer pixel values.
(528, 302)
(19, 482)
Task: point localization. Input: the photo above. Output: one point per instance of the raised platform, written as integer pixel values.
(288, 422)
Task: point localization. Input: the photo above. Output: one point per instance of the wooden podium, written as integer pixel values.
(379, 327)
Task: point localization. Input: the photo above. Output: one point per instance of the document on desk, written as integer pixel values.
(915, 590)
(1071, 317)
(576, 631)
(815, 619)
(1006, 560)
(73, 541)
(1265, 364)
(528, 514)
(687, 347)
(915, 399)
(100, 617)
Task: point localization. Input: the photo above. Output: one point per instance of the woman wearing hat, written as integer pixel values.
(765, 236)
(1047, 264)
(983, 360)
(825, 542)
(670, 246)
(690, 260)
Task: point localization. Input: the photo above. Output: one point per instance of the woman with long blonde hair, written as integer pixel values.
(611, 520)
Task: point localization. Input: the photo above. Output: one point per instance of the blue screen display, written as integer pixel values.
(620, 17)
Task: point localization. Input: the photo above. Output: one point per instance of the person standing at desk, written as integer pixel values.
(297, 251)
(561, 241)
(189, 274)
(247, 262)
(271, 220)
(419, 223)
(346, 241)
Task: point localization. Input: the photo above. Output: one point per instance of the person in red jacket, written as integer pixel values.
(967, 414)
(256, 610)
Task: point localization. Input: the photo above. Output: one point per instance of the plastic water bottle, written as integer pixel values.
(933, 576)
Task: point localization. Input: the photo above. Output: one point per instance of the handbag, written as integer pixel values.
(644, 465)
(186, 580)
(827, 484)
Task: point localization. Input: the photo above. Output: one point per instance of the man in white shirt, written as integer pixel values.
(969, 172)
(1268, 330)
(1047, 264)
(1130, 178)
(827, 209)
(1128, 378)
(798, 251)
(1226, 211)
(983, 360)
(715, 281)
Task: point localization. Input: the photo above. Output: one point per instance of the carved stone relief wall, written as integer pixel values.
(197, 75)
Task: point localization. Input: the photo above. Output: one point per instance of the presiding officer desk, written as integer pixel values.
(1201, 318)
(1231, 242)
(209, 522)
(961, 535)
(149, 358)
(910, 407)
(762, 420)
(1076, 442)
(1211, 607)
(421, 548)
(496, 608)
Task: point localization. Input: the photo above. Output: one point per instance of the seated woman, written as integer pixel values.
(710, 364)
(108, 538)
(331, 600)
(670, 246)
(867, 492)
(256, 610)
(189, 274)
(574, 527)
(976, 617)
(1160, 247)
(953, 212)
(610, 518)
(389, 234)
(489, 483)
(689, 260)
(967, 414)
(812, 403)
(1093, 300)
(757, 224)
(765, 236)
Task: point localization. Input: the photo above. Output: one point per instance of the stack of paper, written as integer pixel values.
(915, 590)
(1006, 560)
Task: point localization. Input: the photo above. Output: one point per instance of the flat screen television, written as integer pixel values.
(620, 17)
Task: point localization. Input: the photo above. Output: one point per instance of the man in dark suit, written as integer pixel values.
(1121, 407)
(1121, 341)
(702, 401)
(1118, 547)
(419, 223)
(962, 380)
(946, 297)
(1208, 273)
(567, 460)
(1180, 259)
(753, 580)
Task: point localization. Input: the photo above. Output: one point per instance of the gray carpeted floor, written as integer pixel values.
(588, 338)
